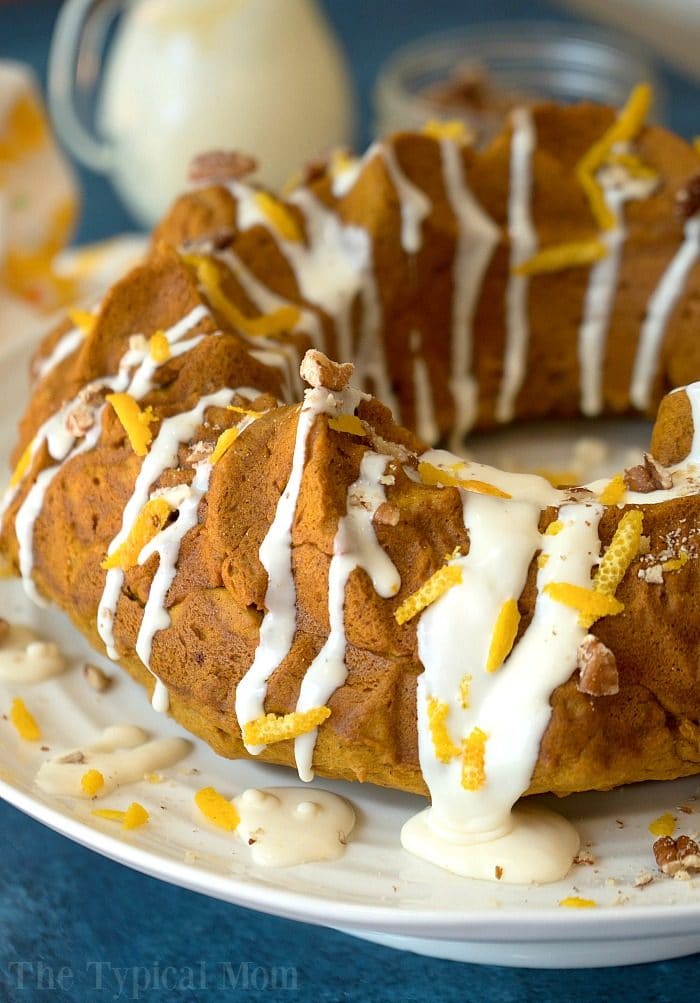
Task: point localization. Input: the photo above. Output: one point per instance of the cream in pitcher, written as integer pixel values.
(260, 76)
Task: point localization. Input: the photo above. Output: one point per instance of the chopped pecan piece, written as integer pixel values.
(387, 515)
(73, 757)
(221, 165)
(597, 667)
(95, 677)
(648, 476)
(319, 371)
(674, 855)
(79, 421)
(688, 198)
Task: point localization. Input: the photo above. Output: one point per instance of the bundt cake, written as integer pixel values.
(306, 582)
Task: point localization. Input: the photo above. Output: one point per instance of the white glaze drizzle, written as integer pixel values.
(477, 238)
(597, 307)
(355, 546)
(659, 310)
(185, 499)
(414, 204)
(162, 455)
(512, 705)
(424, 409)
(523, 244)
(122, 754)
(26, 659)
(285, 826)
(65, 346)
(279, 622)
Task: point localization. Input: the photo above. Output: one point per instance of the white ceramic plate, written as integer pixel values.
(376, 890)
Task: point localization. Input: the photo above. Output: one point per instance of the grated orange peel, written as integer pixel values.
(445, 748)
(554, 528)
(149, 522)
(664, 825)
(591, 605)
(622, 550)
(83, 320)
(134, 816)
(676, 563)
(278, 216)
(626, 126)
(558, 257)
(23, 463)
(432, 475)
(24, 721)
(223, 444)
(217, 809)
(453, 129)
(348, 423)
(430, 591)
(271, 728)
(465, 690)
(614, 491)
(576, 902)
(473, 760)
(134, 421)
(159, 347)
(504, 634)
(264, 326)
(92, 782)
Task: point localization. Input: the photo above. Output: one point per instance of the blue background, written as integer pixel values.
(63, 906)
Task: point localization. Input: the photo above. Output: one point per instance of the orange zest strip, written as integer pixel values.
(558, 257)
(628, 123)
(134, 816)
(432, 475)
(272, 728)
(159, 347)
(134, 421)
(614, 491)
(473, 759)
(676, 563)
(22, 464)
(576, 902)
(266, 325)
(504, 634)
(279, 216)
(91, 782)
(591, 605)
(149, 522)
(465, 687)
(444, 747)
(223, 444)
(348, 423)
(431, 590)
(664, 825)
(83, 320)
(217, 809)
(454, 129)
(623, 549)
(24, 722)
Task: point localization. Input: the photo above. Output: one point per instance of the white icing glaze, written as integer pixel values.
(510, 706)
(659, 310)
(597, 307)
(285, 826)
(477, 238)
(414, 204)
(523, 244)
(538, 847)
(355, 546)
(162, 454)
(123, 754)
(26, 659)
(424, 409)
(185, 499)
(279, 623)
(65, 346)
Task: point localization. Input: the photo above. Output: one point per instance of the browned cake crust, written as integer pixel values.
(649, 729)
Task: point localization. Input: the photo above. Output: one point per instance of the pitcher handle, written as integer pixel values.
(75, 66)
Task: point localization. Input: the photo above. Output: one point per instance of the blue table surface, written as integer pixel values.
(74, 926)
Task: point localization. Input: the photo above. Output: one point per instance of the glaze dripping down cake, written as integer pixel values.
(294, 572)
